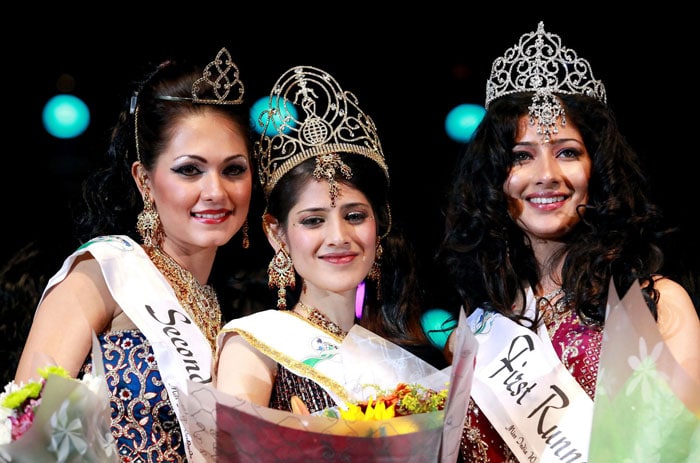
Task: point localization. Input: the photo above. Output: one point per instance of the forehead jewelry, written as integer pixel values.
(329, 122)
(539, 63)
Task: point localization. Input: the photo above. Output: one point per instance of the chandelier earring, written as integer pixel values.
(375, 273)
(148, 223)
(246, 239)
(281, 274)
(280, 271)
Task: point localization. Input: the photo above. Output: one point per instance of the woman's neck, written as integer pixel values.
(198, 263)
(339, 308)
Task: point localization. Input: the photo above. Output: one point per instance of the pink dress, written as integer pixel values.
(578, 347)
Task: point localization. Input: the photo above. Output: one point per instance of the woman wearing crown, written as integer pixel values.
(180, 174)
(548, 207)
(328, 220)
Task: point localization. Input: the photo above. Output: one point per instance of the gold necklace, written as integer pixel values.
(316, 317)
(198, 300)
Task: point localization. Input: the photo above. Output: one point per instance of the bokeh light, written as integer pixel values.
(438, 325)
(65, 116)
(462, 121)
(258, 109)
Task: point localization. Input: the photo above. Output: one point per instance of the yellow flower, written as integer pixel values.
(379, 411)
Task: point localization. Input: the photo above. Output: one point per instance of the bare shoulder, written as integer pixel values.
(679, 324)
(83, 290)
(66, 317)
(673, 295)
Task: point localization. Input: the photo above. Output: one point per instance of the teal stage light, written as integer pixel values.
(65, 116)
(462, 121)
(438, 324)
(256, 111)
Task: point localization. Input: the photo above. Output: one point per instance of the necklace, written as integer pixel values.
(550, 308)
(198, 300)
(319, 319)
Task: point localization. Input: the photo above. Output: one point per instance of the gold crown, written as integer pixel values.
(224, 82)
(310, 115)
(539, 63)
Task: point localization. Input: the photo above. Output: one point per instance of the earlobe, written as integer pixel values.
(139, 174)
(274, 232)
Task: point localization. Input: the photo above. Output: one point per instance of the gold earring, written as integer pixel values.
(280, 273)
(246, 239)
(375, 272)
(148, 223)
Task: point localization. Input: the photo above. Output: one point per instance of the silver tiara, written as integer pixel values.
(222, 76)
(540, 64)
(327, 120)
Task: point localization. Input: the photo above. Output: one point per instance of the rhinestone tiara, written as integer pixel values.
(222, 76)
(326, 120)
(539, 63)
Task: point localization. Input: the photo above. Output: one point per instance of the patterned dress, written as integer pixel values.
(144, 423)
(288, 384)
(578, 347)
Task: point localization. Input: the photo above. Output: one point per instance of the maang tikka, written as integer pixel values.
(326, 121)
(539, 63)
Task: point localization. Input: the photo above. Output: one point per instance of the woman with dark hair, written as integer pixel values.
(548, 206)
(328, 220)
(176, 188)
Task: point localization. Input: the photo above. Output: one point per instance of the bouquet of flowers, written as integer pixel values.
(646, 406)
(225, 428)
(57, 418)
(404, 400)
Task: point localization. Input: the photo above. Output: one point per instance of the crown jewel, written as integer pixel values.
(222, 76)
(539, 63)
(329, 121)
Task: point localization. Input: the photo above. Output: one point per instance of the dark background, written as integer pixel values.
(408, 67)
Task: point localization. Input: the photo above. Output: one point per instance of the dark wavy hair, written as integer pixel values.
(488, 257)
(111, 200)
(393, 310)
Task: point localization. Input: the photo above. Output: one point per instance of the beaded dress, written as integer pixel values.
(143, 420)
(288, 384)
(578, 347)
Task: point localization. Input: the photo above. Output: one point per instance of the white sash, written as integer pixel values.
(520, 384)
(181, 349)
(297, 344)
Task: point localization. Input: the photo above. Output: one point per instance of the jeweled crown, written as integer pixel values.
(539, 63)
(310, 115)
(222, 76)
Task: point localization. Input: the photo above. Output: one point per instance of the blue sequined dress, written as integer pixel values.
(144, 423)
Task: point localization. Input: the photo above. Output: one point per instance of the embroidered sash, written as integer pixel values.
(520, 384)
(181, 349)
(294, 342)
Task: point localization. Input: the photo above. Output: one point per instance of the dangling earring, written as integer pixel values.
(280, 273)
(148, 223)
(375, 272)
(246, 240)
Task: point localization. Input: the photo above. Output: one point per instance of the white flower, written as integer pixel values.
(5, 429)
(94, 383)
(66, 434)
(645, 370)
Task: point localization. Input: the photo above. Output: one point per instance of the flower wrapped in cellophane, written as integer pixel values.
(225, 428)
(647, 408)
(57, 418)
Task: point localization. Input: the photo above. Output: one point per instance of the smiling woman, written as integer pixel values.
(329, 223)
(176, 187)
(549, 217)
